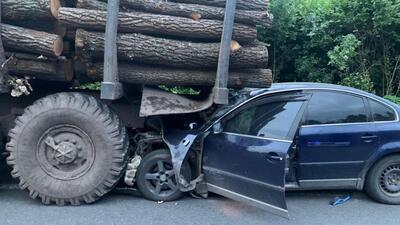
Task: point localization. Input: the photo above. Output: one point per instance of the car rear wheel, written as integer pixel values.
(156, 177)
(67, 148)
(383, 181)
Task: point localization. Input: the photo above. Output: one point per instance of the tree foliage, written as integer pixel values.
(350, 42)
(394, 99)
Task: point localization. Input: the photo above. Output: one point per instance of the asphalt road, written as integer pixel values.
(306, 208)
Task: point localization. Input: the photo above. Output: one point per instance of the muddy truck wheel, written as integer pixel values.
(67, 148)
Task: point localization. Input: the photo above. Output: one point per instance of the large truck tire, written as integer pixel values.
(67, 148)
(5, 177)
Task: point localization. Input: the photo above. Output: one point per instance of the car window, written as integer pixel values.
(270, 120)
(335, 108)
(381, 112)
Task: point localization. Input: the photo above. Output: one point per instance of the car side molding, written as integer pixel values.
(348, 183)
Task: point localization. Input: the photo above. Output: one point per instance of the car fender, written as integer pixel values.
(179, 143)
(384, 150)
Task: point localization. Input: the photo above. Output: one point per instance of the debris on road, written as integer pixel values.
(340, 200)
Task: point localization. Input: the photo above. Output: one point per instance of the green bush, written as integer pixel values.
(95, 86)
(361, 81)
(337, 41)
(180, 90)
(392, 98)
(342, 55)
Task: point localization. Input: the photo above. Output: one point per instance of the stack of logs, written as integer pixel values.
(160, 42)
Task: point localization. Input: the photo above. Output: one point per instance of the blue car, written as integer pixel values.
(296, 136)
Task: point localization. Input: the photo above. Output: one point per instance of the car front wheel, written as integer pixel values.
(156, 177)
(383, 181)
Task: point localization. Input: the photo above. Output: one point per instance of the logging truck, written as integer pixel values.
(66, 145)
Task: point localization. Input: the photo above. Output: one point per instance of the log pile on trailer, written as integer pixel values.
(160, 42)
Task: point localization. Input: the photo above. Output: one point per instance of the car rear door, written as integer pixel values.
(336, 140)
(246, 159)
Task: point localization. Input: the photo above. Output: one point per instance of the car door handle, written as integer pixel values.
(273, 156)
(369, 138)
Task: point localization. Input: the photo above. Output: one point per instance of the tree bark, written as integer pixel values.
(259, 5)
(49, 26)
(39, 67)
(100, 5)
(32, 41)
(192, 11)
(154, 24)
(3, 67)
(153, 50)
(195, 11)
(29, 9)
(91, 4)
(150, 75)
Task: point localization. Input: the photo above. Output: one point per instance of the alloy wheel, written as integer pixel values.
(160, 180)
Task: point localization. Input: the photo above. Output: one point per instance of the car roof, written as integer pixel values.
(250, 94)
(306, 85)
(293, 86)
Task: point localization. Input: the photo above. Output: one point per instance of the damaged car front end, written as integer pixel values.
(238, 157)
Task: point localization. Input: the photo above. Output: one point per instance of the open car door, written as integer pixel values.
(245, 152)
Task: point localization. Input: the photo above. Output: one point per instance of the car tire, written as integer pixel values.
(156, 179)
(383, 181)
(67, 148)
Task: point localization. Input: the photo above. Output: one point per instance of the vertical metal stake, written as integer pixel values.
(221, 83)
(111, 88)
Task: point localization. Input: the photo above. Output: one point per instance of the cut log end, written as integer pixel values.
(58, 46)
(235, 46)
(79, 38)
(196, 16)
(55, 6)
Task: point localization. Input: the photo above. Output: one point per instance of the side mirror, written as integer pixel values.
(217, 127)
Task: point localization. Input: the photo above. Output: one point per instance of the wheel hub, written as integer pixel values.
(390, 179)
(65, 152)
(393, 179)
(163, 178)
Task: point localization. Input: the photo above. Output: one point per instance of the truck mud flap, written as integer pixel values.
(158, 102)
